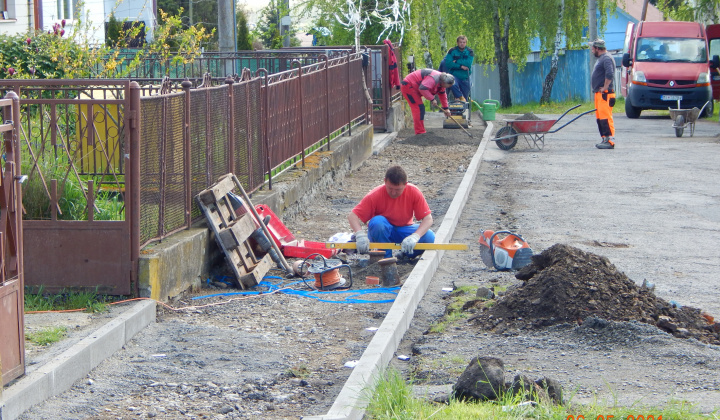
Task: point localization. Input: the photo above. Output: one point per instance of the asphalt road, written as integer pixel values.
(650, 206)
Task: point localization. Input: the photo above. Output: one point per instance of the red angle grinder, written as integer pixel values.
(510, 252)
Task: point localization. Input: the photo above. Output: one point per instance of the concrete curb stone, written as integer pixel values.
(59, 374)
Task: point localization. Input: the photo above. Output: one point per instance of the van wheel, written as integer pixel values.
(708, 111)
(631, 111)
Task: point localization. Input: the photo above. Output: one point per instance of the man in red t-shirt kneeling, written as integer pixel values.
(388, 211)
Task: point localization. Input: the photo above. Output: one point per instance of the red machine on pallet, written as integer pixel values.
(289, 245)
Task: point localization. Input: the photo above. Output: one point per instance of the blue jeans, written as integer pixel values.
(461, 88)
(380, 230)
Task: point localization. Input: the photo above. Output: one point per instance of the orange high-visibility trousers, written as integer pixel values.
(604, 102)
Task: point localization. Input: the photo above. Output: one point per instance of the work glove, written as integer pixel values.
(408, 244)
(362, 243)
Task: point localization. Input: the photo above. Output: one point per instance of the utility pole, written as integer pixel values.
(285, 23)
(644, 11)
(592, 28)
(226, 32)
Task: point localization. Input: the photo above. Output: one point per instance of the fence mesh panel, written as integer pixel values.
(199, 146)
(284, 135)
(219, 114)
(174, 163)
(241, 136)
(338, 91)
(314, 107)
(255, 142)
(150, 161)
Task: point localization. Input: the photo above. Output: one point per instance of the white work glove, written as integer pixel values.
(362, 243)
(408, 244)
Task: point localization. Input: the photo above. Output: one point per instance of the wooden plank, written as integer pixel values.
(389, 245)
(224, 185)
(258, 272)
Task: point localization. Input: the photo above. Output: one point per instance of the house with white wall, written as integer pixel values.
(20, 16)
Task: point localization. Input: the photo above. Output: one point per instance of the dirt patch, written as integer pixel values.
(529, 116)
(432, 139)
(564, 284)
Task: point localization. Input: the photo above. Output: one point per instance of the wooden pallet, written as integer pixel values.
(232, 233)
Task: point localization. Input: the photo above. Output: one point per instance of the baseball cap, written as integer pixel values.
(598, 43)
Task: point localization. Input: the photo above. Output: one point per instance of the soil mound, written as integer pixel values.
(528, 116)
(565, 284)
(449, 137)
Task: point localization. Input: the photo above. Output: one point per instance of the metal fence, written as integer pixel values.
(250, 127)
(144, 152)
(215, 67)
(76, 139)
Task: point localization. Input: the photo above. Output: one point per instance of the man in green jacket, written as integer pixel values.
(458, 62)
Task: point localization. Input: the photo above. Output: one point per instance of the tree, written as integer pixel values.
(699, 10)
(499, 31)
(268, 28)
(113, 31)
(244, 40)
(383, 19)
(198, 13)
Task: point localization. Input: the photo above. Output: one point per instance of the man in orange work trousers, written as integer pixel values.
(601, 82)
(426, 83)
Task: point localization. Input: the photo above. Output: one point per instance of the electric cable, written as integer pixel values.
(313, 294)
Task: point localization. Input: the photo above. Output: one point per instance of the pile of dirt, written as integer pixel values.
(528, 116)
(432, 139)
(564, 284)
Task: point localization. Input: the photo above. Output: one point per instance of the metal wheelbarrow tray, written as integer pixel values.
(531, 130)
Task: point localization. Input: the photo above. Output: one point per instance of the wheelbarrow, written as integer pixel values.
(684, 118)
(532, 130)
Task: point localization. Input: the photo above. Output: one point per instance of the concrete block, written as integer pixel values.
(25, 393)
(105, 341)
(138, 317)
(177, 264)
(396, 117)
(69, 367)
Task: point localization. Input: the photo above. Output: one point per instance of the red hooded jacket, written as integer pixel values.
(392, 64)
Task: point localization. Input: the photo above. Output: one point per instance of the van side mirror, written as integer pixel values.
(626, 60)
(715, 62)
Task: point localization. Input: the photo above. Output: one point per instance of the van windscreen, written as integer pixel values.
(671, 50)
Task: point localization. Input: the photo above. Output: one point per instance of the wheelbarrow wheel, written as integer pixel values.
(679, 125)
(507, 143)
